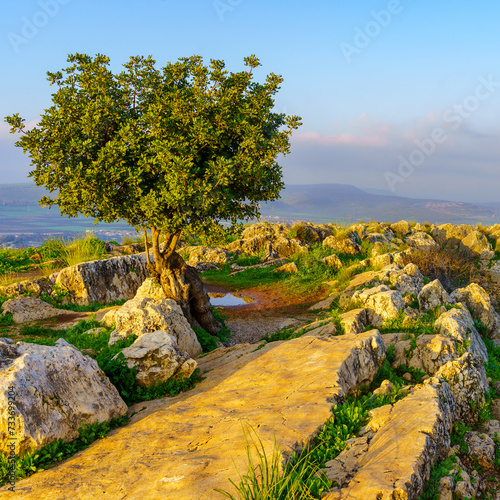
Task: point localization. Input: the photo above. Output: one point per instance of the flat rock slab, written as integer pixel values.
(195, 442)
(416, 432)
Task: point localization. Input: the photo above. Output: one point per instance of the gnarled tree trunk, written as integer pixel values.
(181, 282)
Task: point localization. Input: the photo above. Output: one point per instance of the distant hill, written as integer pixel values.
(20, 212)
(327, 202)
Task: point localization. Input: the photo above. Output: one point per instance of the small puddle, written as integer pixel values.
(229, 299)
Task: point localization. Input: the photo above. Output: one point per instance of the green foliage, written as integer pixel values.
(457, 436)
(492, 366)
(247, 260)
(243, 279)
(16, 260)
(208, 342)
(177, 148)
(424, 324)
(52, 453)
(263, 480)
(438, 471)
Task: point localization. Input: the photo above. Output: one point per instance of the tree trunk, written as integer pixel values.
(181, 283)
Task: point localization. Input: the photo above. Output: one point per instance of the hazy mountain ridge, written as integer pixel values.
(20, 212)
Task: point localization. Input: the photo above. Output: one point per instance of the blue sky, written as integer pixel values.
(396, 95)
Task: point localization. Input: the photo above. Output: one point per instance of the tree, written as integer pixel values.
(176, 149)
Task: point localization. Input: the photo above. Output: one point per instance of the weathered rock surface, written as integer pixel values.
(26, 309)
(194, 442)
(198, 254)
(479, 302)
(429, 354)
(290, 267)
(381, 303)
(58, 390)
(104, 280)
(433, 295)
(355, 320)
(421, 242)
(466, 377)
(414, 433)
(33, 287)
(457, 323)
(481, 447)
(347, 246)
(464, 238)
(332, 261)
(142, 315)
(157, 358)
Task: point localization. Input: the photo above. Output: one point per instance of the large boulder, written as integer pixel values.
(433, 295)
(428, 352)
(457, 323)
(464, 238)
(347, 245)
(33, 287)
(197, 254)
(421, 241)
(381, 303)
(402, 228)
(55, 390)
(157, 358)
(466, 377)
(143, 315)
(104, 281)
(26, 309)
(478, 301)
(406, 280)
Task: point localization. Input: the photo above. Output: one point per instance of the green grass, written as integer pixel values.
(16, 260)
(244, 279)
(438, 471)
(52, 453)
(423, 325)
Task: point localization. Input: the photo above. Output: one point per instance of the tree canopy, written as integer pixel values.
(178, 148)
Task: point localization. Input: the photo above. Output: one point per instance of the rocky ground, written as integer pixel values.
(395, 324)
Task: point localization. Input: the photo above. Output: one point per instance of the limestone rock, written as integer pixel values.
(406, 280)
(151, 290)
(457, 323)
(58, 390)
(197, 254)
(33, 287)
(341, 469)
(143, 315)
(465, 238)
(354, 321)
(381, 302)
(345, 246)
(466, 377)
(479, 302)
(433, 295)
(332, 261)
(431, 352)
(421, 242)
(157, 358)
(481, 447)
(185, 446)
(104, 280)
(26, 309)
(291, 267)
(402, 228)
(399, 456)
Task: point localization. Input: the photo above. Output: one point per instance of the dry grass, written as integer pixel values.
(451, 267)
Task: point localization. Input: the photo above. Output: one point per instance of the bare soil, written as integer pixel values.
(274, 307)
